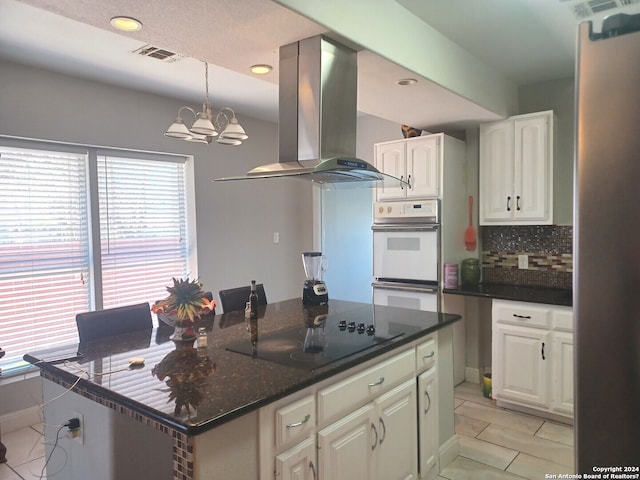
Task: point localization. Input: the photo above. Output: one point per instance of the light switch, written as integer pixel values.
(276, 237)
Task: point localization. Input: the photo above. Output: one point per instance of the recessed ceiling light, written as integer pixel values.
(407, 81)
(261, 69)
(126, 24)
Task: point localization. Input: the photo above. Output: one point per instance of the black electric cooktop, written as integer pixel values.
(314, 345)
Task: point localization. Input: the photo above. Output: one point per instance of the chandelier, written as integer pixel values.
(205, 127)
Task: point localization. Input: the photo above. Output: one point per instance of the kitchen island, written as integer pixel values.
(195, 412)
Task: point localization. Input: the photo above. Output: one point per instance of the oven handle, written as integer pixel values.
(405, 287)
(405, 228)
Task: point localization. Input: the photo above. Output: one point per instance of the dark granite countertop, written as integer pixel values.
(550, 296)
(217, 384)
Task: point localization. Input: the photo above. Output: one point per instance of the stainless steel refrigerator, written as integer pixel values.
(607, 245)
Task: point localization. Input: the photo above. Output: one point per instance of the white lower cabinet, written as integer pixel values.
(522, 368)
(298, 463)
(377, 441)
(345, 448)
(532, 356)
(563, 373)
(375, 423)
(428, 423)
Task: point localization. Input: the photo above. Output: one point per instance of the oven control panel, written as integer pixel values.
(421, 211)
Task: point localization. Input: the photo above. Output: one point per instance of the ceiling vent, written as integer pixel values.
(585, 9)
(158, 53)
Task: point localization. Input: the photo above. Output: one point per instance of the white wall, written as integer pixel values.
(235, 221)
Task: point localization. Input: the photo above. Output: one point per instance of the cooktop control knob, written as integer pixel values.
(371, 329)
(352, 326)
(361, 328)
(342, 324)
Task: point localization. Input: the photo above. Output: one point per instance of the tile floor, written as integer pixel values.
(494, 444)
(501, 444)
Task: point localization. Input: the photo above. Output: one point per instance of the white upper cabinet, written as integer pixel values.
(516, 170)
(414, 160)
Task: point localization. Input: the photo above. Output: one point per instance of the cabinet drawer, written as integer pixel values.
(521, 313)
(295, 420)
(563, 319)
(426, 354)
(343, 396)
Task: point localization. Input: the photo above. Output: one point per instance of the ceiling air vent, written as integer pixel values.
(158, 53)
(585, 9)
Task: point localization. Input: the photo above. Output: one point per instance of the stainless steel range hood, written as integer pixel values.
(317, 118)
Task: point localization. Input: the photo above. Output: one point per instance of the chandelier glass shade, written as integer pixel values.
(205, 127)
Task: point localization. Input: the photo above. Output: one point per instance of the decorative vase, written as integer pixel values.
(183, 334)
(470, 272)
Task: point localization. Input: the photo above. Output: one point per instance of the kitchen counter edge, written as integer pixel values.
(519, 293)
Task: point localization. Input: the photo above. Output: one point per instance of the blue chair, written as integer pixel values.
(113, 321)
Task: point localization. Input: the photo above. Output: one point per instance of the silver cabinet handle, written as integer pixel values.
(401, 179)
(409, 182)
(297, 424)
(313, 470)
(379, 382)
(428, 398)
(375, 442)
(425, 357)
(384, 430)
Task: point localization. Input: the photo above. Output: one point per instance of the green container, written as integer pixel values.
(470, 272)
(486, 385)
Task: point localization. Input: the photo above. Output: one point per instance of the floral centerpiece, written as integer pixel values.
(186, 303)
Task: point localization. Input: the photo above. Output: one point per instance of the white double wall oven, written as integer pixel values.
(406, 254)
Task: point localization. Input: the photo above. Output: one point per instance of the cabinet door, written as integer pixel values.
(428, 423)
(298, 463)
(520, 356)
(563, 372)
(423, 167)
(390, 159)
(395, 454)
(345, 448)
(496, 172)
(532, 179)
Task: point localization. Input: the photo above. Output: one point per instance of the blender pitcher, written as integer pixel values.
(314, 291)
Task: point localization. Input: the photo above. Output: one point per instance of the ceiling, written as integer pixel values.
(528, 41)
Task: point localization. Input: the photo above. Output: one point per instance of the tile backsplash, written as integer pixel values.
(550, 251)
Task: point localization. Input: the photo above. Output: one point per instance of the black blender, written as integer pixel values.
(315, 290)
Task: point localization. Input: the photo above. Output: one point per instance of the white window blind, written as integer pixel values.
(143, 227)
(44, 261)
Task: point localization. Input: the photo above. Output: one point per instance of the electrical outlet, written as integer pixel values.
(523, 262)
(78, 434)
(276, 237)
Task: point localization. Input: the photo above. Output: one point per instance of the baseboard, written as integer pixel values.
(22, 418)
(472, 375)
(449, 451)
(534, 411)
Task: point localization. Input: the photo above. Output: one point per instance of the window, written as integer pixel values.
(56, 260)
(143, 233)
